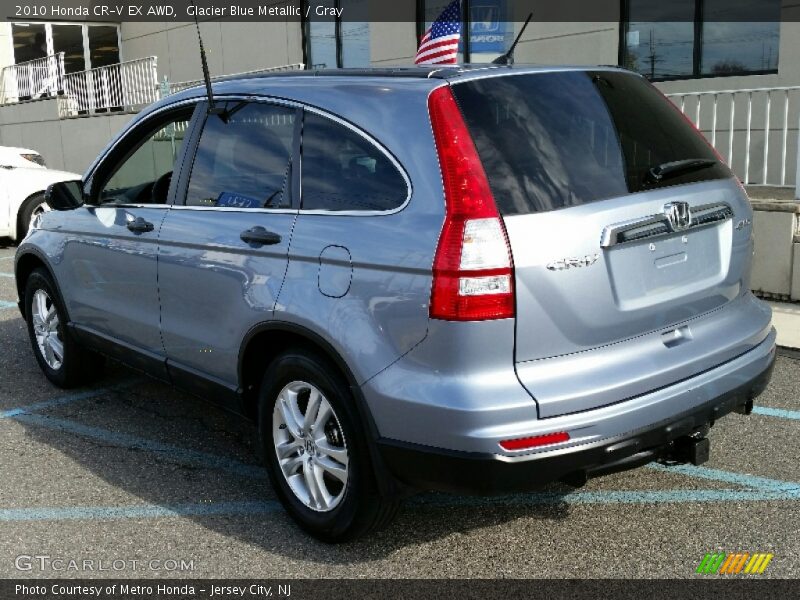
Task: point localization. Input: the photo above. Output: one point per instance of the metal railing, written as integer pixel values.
(32, 79)
(183, 85)
(755, 130)
(125, 86)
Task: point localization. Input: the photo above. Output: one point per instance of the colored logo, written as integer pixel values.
(737, 563)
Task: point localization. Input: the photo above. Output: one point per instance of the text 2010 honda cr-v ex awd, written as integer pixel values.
(464, 279)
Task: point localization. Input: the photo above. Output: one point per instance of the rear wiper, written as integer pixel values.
(678, 167)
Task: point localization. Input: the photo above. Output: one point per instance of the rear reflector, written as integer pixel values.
(473, 278)
(535, 442)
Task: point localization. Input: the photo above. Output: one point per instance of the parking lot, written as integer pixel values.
(149, 482)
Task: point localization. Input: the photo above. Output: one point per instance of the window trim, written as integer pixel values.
(297, 158)
(697, 48)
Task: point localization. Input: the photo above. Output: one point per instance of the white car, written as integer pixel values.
(23, 181)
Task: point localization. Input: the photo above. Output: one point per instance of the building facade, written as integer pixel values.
(689, 49)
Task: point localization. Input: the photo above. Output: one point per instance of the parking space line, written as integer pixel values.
(102, 513)
(792, 415)
(743, 479)
(11, 275)
(65, 399)
(6, 304)
(169, 452)
(613, 497)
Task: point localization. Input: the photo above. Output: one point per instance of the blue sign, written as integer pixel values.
(490, 30)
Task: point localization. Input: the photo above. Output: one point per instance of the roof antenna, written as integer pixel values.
(206, 77)
(508, 57)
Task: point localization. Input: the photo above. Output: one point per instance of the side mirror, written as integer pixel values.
(65, 195)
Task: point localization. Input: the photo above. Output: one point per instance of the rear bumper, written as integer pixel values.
(735, 384)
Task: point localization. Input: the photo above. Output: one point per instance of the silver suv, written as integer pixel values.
(469, 279)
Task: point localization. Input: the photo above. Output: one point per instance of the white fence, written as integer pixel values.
(32, 79)
(755, 130)
(124, 86)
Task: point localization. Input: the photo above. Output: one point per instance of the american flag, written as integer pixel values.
(439, 45)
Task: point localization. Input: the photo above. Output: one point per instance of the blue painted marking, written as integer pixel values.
(793, 415)
(62, 400)
(6, 304)
(166, 451)
(613, 497)
(138, 512)
(751, 481)
(11, 275)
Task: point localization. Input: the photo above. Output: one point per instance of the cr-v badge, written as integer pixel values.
(573, 263)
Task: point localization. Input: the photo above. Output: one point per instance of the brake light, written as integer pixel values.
(535, 442)
(473, 277)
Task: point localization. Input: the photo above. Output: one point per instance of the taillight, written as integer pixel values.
(473, 277)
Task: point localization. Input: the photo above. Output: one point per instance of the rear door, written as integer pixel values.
(604, 250)
(223, 248)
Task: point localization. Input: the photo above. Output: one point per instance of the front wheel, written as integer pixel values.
(63, 362)
(317, 454)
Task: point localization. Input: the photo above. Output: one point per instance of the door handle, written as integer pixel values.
(260, 236)
(139, 225)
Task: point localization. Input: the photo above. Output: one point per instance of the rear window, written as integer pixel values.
(554, 140)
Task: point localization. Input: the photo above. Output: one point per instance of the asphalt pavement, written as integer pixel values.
(129, 478)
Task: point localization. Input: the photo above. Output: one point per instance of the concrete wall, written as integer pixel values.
(68, 144)
(231, 47)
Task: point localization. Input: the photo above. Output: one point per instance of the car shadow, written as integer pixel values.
(99, 433)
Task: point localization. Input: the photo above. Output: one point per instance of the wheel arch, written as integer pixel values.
(265, 341)
(28, 260)
(15, 223)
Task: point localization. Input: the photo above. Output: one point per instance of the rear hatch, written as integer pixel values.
(622, 220)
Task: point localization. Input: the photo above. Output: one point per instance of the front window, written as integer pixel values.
(144, 175)
(690, 38)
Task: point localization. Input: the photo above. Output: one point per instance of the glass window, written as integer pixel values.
(69, 40)
(145, 175)
(333, 43)
(103, 45)
(738, 37)
(344, 171)
(243, 158)
(30, 41)
(553, 140)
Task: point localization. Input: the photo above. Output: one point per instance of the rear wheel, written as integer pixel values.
(63, 362)
(30, 210)
(316, 453)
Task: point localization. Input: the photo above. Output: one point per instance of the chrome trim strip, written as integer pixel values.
(702, 216)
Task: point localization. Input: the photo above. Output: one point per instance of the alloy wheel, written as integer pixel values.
(47, 330)
(310, 446)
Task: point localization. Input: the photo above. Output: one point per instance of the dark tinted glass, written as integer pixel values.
(553, 140)
(243, 160)
(344, 171)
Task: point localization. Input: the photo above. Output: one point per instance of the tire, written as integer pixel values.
(32, 206)
(353, 506)
(62, 360)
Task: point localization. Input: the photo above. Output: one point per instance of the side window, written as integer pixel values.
(344, 171)
(243, 158)
(144, 176)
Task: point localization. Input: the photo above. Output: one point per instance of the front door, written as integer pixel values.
(109, 266)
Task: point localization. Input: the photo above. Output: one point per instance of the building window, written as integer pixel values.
(330, 42)
(84, 46)
(690, 38)
(490, 29)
